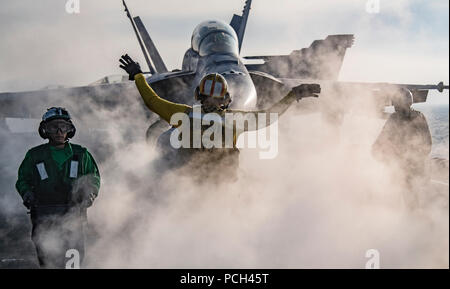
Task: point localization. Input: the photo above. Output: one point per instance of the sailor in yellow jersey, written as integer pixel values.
(214, 98)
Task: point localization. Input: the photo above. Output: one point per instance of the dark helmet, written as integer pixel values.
(52, 114)
(402, 99)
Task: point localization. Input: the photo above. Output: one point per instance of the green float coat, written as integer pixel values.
(56, 189)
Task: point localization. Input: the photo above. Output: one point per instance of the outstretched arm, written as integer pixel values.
(164, 108)
(296, 94)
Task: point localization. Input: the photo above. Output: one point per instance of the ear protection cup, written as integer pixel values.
(72, 131)
(228, 100)
(198, 96)
(42, 131)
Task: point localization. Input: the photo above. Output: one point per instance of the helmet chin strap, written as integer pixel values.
(404, 111)
(52, 142)
(210, 108)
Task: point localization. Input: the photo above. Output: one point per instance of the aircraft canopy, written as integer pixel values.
(212, 37)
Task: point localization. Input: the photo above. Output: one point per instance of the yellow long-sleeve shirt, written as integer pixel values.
(166, 109)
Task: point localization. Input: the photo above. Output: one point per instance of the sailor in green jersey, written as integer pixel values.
(58, 181)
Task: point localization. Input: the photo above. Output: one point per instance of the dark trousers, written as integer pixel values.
(416, 180)
(56, 230)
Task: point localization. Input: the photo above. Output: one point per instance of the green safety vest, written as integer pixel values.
(52, 186)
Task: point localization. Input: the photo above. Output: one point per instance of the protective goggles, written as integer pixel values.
(62, 126)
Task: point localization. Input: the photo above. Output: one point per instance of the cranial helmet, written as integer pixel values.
(403, 99)
(52, 114)
(213, 85)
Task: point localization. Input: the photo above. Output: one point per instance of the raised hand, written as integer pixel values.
(131, 67)
(28, 199)
(306, 90)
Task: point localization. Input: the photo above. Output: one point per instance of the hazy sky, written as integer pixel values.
(406, 42)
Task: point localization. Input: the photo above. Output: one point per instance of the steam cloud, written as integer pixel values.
(321, 203)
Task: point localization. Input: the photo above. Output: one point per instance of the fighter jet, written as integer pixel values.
(255, 82)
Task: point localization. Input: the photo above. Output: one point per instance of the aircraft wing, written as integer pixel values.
(381, 89)
(322, 60)
(78, 100)
(338, 97)
(174, 86)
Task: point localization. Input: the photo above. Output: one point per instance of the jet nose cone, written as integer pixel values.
(242, 91)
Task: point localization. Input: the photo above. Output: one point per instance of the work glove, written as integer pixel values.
(84, 199)
(28, 199)
(88, 201)
(131, 67)
(306, 90)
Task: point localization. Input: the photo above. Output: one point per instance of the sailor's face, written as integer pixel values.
(403, 107)
(57, 131)
(212, 104)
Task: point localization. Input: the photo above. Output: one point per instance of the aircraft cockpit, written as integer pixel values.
(211, 37)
